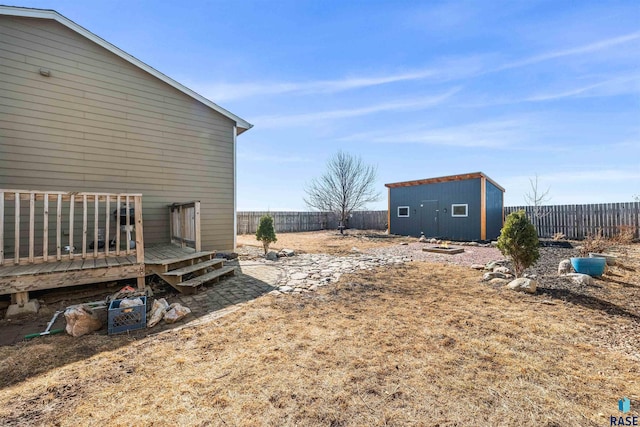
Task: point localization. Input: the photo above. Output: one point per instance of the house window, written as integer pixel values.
(403, 211)
(459, 210)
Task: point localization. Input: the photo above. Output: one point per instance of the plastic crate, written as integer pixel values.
(127, 319)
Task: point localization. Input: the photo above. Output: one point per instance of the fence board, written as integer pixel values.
(578, 221)
(286, 222)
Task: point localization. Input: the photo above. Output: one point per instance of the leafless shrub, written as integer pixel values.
(595, 242)
(625, 235)
(559, 236)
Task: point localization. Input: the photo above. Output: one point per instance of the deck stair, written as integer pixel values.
(185, 273)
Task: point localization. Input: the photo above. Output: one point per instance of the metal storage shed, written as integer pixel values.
(465, 207)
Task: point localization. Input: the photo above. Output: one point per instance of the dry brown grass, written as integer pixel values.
(418, 345)
(328, 242)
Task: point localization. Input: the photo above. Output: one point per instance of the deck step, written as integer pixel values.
(216, 262)
(197, 281)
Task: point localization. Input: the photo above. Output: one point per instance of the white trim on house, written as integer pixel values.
(235, 190)
(408, 211)
(242, 124)
(466, 210)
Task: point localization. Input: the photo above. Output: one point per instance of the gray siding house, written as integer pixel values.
(466, 207)
(78, 114)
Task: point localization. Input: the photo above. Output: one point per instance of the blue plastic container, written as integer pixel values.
(126, 319)
(591, 266)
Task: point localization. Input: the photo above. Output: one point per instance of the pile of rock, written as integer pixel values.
(500, 273)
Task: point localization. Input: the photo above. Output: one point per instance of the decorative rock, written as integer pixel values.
(564, 267)
(404, 244)
(271, 256)
(493, 275)
(501, 269)
(287, 252)
(497, 263)
(433, 241)
(354, 249)
(523, 284)
(580, 279)
(477, 266)
(498, 282)
(285, 289)
(299, 276)
(422, 239)
(473, 244)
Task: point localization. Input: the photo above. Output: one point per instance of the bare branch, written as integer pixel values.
(536, 198)
(346, 186)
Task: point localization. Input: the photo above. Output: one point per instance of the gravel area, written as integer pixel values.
(471, 254)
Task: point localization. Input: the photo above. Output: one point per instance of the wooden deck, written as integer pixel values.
(163, 254)
(56, 274)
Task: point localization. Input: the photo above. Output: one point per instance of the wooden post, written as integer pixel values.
(16, 233)
(20, 298)
(139, 239)
(96, 207)
(107, 224)
(118, 225)
(171, 232)
(1, 228)
(182, 225)
(72, 203)
(45, 229)
(32, 227)
(198, 238)
(128, 225)
(84, 226)
(59, 228)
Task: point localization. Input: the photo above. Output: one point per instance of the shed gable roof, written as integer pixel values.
(241, 124)
(449, 178)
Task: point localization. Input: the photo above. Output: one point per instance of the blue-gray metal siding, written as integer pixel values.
(446, 194)
(494, 201)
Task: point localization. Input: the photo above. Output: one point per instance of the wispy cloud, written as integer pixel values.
(489, 134)
(607, 87)
(589, 48)
(275, 121)
(232, 91)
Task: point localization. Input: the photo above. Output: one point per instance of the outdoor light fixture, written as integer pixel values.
(45, 72)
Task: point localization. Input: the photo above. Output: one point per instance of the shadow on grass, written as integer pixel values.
(588, 301)
(26, 359)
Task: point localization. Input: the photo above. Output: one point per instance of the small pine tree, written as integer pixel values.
(519, 241)
(266, 233)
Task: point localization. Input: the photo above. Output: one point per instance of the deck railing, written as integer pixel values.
(184, 223)
(45, 226)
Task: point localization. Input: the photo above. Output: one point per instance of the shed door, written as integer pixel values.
(429, 218)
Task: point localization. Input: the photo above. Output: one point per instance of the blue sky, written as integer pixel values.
(420, 89)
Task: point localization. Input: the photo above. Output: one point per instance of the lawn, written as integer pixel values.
(419, 344)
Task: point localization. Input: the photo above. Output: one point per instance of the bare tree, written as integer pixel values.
(347, 185)
(536, 198)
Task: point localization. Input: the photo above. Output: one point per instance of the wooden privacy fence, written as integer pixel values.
(247, 222)
(579, 221)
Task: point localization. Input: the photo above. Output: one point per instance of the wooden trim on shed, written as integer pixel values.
(460, 177)
(388, 210)
(483, 208)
